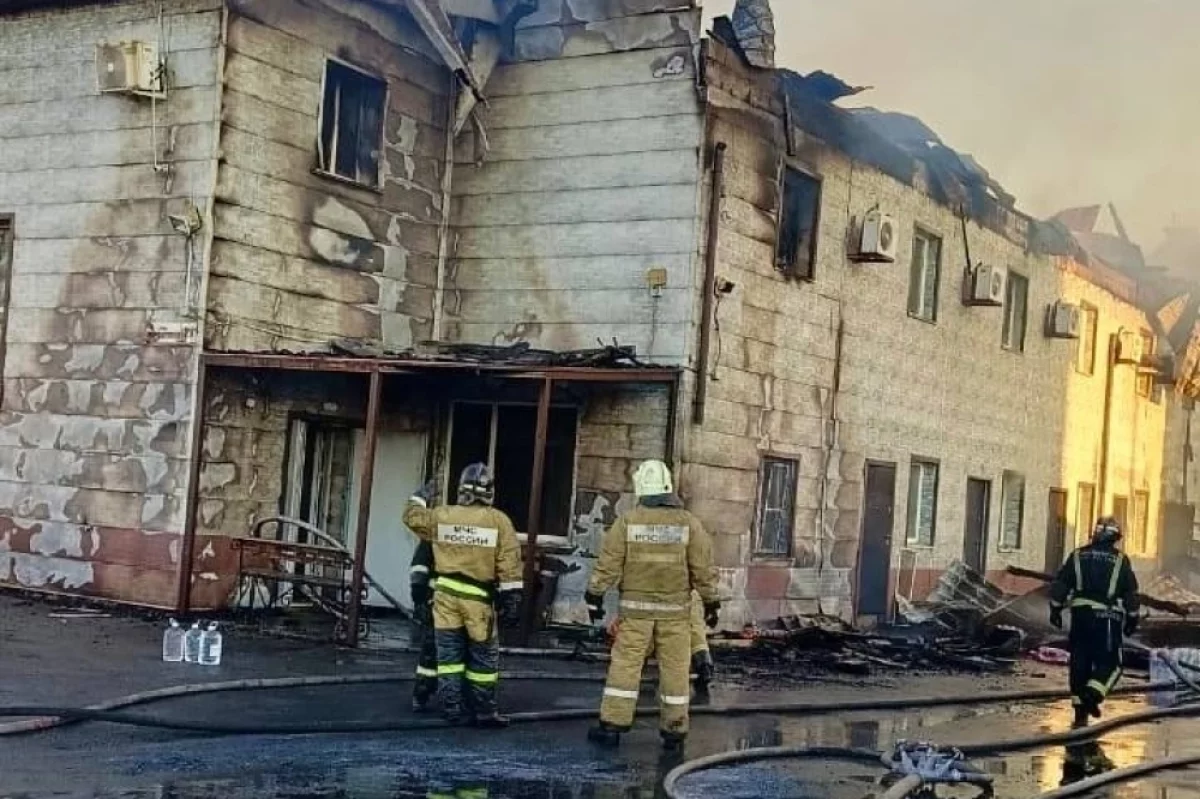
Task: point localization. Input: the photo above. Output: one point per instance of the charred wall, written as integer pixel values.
(590, 183)
(301, 258)
(95, 419)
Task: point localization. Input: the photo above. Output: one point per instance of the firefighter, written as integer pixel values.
(477, 558)
(422, 581)
(655, 555)
(1097, 583)
(703, 668)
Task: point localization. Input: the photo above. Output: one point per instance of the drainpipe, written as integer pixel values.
(709, 285)
(1114, 343)
(444, 226)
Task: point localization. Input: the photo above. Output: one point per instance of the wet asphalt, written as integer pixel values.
(44, 660)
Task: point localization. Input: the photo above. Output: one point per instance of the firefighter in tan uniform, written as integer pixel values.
(477, 558)
(655, 555)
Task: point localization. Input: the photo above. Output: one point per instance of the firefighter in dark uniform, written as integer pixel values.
(1097, 583)
(422, 580)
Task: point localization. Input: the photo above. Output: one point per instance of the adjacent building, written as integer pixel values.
(298, 256)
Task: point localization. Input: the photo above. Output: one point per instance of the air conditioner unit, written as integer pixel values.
(987, 285)
(130, 68)
(879, 240)
(1130, 349)
(1062, 320)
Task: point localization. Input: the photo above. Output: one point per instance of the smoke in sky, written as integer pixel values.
(1065, 102)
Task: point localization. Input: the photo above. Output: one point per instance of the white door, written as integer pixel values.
(399, 472)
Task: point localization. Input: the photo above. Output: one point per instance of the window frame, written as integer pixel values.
(791, 268)
(1007, 328)
(1084, 531)
(1091, 321)
(1139, 527)
(914, 298)
(910, 521)
(1143, 384)
(1002, 544)
(326, 164)
(758, 551)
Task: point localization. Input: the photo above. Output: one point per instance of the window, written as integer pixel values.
(1145, 380)
(1085, 352)
(799, 209)
(351, 124)
(1120, 512)
(776, 507)
(1016, 300)
(1085, 513)
(1139, 532)
(924, 276)
(1012, 510)
(502, 436)
(922, 502)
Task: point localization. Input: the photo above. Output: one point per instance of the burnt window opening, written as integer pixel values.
(1016, 312)
(503, 437)
(799, 212)
(1012, 510)
(925, 274)
(352, 113)
(776, 510)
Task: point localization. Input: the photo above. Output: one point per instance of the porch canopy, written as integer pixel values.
(610, 365)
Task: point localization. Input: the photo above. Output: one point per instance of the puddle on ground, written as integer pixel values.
(555, 762)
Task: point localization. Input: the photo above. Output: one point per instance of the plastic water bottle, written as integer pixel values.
(191, 644)
(173, 642)
(210, 646)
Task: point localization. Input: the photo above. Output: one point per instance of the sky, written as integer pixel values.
(1065, 102)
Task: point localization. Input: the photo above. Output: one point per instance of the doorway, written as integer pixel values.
(975, 533)
(875, 551)
(1056, 529)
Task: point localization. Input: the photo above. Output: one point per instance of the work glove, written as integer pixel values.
(1131, 623)
(712, 614)
(429, 491)
(1056, 618)
(510, 607)
(422, 594)
(595, 606)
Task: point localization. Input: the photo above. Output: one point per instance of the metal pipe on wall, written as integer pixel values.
(709, 286)
(1114, 344)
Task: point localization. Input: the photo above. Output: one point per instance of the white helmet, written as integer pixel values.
(652, 479)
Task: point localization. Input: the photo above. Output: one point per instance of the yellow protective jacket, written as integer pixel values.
(656, 557)
(475, 548)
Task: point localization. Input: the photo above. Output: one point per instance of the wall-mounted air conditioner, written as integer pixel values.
(130, 68)
(986, 285)
(879, 239)
(1062, 320)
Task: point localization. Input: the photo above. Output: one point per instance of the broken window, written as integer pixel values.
(1139, 532)
(924, 276)
(1085, 352)
(1145, 379)
(1012, 510)
(352, 113)
(503, 436)
(776, 506)
(799, 210)
(1085, 515)
(922, 502)
(1016, 301)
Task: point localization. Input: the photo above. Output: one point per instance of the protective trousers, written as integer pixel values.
(468, 654)
(1095, 640)
(427, 674)
(698, 629)
(636, 639)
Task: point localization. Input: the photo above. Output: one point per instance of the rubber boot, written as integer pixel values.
(491, 721)
(1081, 717)
(703, 670)
(672, 741)
(605, 735)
